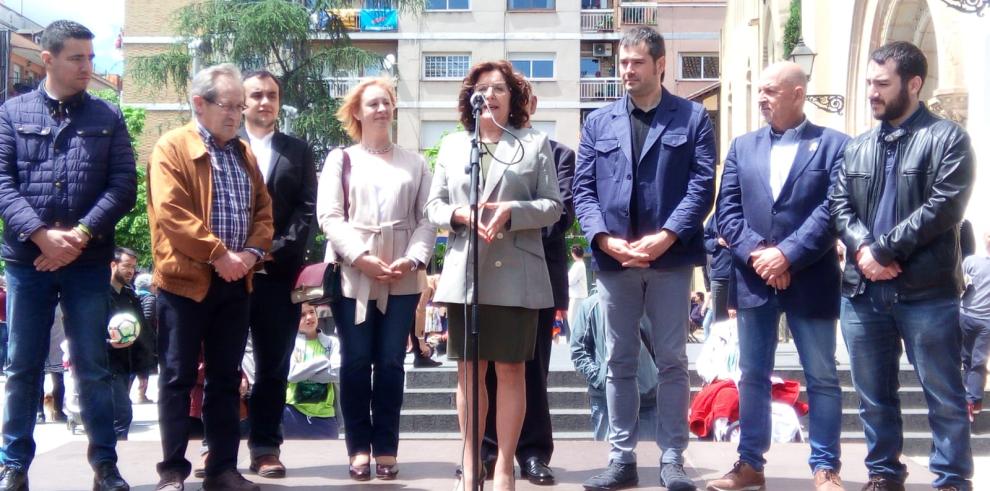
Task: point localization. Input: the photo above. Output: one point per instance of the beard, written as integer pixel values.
(120, 278)
(895, 108)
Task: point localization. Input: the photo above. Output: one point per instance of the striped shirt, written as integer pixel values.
(230, 215)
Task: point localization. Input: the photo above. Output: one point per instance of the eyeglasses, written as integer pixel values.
(497, 89)
(229, 108)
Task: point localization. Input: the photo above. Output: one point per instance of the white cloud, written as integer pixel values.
(104, 17)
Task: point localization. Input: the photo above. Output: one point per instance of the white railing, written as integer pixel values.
(597, 20)
(638, 13)
(339, 86)
(601, 89)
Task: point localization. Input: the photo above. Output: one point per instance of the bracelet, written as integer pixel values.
(84, 229)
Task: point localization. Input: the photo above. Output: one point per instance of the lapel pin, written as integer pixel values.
(814, 146)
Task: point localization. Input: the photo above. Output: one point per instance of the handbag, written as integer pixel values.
(319, 283)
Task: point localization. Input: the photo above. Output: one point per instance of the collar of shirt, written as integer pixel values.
(61, 108)
(632, 109)
(262, 148)
(211, 143)
(788, 136)
(886, 128)
(265, 140)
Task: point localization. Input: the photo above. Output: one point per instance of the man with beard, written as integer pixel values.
(896, 205)
(126, 361)
(286, 164)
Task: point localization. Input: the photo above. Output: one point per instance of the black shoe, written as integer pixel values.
(425, 362)
(170, 481)
(108, 478)
(537, 472)
(13, 479)
(879, 482)
(229, 480)
(673, 477)
(616, 476)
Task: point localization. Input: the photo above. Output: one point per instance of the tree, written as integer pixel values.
(302, 41)
(792, 29)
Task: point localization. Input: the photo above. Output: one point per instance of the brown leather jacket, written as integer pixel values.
(180, 190)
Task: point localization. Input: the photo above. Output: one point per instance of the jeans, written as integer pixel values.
(123, 412)
(663, 296)
(274, 324)
(975, 350)
(372, 354)
(219, 327)
(815, 342)
(3, 347)
(84, 292)
(599, 419)
(874, 324)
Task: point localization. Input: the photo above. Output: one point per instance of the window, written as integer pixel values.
(534, 66)
(446, 66)
(532, 4)
(430, 132)
(699, 67)
(448, 5)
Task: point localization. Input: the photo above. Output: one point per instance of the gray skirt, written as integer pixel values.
(506, 334)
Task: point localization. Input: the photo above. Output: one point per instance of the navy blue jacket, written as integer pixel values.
(797, 222)
(59, 175)
(675, 175)
(721, 264)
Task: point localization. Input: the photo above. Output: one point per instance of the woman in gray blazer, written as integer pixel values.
(519, 197)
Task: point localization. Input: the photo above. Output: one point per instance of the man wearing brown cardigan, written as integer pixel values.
(211, 224)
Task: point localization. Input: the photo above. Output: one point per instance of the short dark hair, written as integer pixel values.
(645, 35)
(120, 252)
(518, 89)
(908, 59)
(264, 74)
(54, 36)
(577, 250)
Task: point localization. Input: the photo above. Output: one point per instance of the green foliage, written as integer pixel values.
(792, 29)
(432, 152)
(275, 35)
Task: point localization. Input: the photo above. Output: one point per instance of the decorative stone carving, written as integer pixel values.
(951, 105)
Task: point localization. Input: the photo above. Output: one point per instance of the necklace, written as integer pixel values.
(378, 151)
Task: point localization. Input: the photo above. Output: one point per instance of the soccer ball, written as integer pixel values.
(123, 329)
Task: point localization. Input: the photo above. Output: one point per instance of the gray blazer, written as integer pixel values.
(512, 268)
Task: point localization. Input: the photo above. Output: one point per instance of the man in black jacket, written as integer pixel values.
(126, 362)
(287, 164)
(896, 205)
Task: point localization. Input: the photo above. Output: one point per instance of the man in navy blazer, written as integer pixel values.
(773, 213)
(643, 184)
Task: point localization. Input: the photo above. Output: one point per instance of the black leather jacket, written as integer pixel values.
(935, 177)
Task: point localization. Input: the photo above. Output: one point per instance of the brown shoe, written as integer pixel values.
(268, 466)
(229, 480)
(828, 480)
(742, 477)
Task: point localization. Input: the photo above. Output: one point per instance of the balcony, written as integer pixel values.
(601, 89)
(597, 20)
(374, 16)
(339, 86)
(638, 13)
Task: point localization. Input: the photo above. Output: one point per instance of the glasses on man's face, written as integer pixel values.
(497, 89)
(228, 108)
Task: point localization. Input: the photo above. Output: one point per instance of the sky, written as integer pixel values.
(104, 17)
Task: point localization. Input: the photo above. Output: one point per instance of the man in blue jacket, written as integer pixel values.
(67, 176)
(644, 183)
(773, 212)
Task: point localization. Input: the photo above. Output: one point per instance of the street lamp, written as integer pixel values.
(803, 56)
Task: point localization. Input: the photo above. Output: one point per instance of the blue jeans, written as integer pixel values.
(874, 324)
(84, 292)
(3, 347)
(815, 342)
(975, 351)
(372, 354)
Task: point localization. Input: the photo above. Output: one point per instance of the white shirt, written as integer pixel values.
(577, 280)
(783, 150)
(262, 148)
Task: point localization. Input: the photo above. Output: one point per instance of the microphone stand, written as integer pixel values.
(474, 168)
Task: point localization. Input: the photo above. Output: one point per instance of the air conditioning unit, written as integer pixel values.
(601, 49)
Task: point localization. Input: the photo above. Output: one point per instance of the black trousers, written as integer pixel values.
(218, 325)
(720, 299)
(274, 324)
(536, 438)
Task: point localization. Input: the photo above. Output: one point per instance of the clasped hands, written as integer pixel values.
(493, 218)
(232, 266)
(873, 270)
(59, 247)
(373, 267)
(639, 253)
(772, 265)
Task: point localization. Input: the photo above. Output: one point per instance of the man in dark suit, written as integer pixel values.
(773, 212)
(644, 183)
(535, 445)
(287, 165)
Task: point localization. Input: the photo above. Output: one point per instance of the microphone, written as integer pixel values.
(477, 101)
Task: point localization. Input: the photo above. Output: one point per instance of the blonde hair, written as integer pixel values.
(351, 102)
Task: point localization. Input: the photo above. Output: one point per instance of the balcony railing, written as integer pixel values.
(339, 86)
(601, 89)
(597, 20)
(638, 13)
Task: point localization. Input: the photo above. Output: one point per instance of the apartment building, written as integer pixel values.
(568, 48)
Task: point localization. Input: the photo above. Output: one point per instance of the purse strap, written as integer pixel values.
(345, 181)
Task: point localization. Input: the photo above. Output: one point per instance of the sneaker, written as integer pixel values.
(13, 479)
(170, 481)
(828, 480)
(879, 482)
(673, 477)
(616, 476)
(742, 477)
(108, 478)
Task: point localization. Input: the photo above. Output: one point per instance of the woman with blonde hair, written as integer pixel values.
(520, 196)
(370, 206)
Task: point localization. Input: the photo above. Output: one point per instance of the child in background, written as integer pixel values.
(315, 366)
